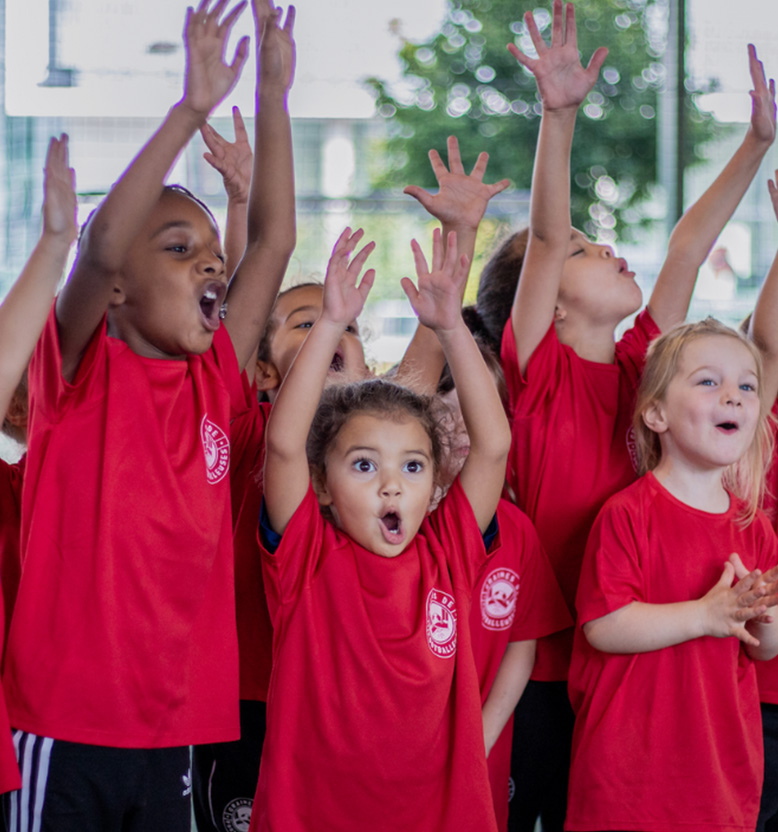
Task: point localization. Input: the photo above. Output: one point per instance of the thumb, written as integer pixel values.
(727, 576)
(420, 195)
(737, 563)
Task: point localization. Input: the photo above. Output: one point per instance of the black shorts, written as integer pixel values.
(74, 787)
(225, 774)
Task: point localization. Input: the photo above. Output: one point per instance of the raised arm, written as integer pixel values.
(234, 161)
(24, 311)
(286, 464)
(724, 611)
(271, 209)
(460, 205)
(120, 217)
(438, 305)
(763, 329)
(563, 84)
(697, 230)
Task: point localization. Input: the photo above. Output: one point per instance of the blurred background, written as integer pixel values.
(377, 85)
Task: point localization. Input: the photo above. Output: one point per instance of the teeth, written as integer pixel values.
(210, 294)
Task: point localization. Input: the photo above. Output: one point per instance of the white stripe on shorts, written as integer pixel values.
(26, 805)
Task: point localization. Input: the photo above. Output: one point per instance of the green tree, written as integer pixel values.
(464, 82)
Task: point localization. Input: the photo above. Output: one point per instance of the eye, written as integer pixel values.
(413, 466)
(179, 249)
(706, 382)
(304, 325)
(221, 258)
(364, 466)
(576, 252)
(748, 387)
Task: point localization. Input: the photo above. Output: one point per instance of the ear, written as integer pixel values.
(266, 376)
(654, 418)
(319, 483)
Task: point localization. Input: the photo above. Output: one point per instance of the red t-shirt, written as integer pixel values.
(124, 628)
(670, 739)
(10, 568)
(517, 598)
(374, 715)
(255, 632)
(572, 449)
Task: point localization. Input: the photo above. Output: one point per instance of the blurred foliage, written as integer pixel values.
(464, 82)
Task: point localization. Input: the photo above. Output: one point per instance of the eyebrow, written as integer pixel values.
(306, 308)
(172, 224)
(368, 448)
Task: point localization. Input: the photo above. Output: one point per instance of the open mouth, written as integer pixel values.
(392, 527)
(623, 268)
(727, 427)
(211, 304)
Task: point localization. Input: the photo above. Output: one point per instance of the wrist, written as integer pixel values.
(753, 143)
(56, 243)
(193, 117)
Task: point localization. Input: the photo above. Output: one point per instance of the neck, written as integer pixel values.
(699, 488)
(592, 343)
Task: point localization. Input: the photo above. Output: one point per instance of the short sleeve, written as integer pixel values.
(632, 347)
(526, 393)
(291, 566)
(544, 610)
(48, 388)
(611, 573)
(238, 387)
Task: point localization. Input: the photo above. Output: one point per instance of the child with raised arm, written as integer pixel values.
(374, 714)
(125, 614)
(672, 604)
(261, 220)
(572, 387)
(762, 331)
(22, 317)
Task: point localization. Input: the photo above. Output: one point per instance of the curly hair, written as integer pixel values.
(378, 397)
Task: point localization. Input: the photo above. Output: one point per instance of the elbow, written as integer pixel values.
(598, 635)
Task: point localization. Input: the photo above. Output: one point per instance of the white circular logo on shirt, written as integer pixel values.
(441, 623)
(237, 815)
(498, 599)
(216, 446)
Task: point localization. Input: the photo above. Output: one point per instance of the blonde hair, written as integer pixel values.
(744, 478)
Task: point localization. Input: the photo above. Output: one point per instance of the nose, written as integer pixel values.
(607, 252)
(732, 394)
(390, 486)
(210, 263)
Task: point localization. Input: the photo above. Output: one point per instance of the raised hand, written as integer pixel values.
(277, 49)
(233, 160)
(762, 99)
(461, 199)
(208, 77)
(344, 294)
(562, 80)
(437, 300)
(59, 192)
(772, 187)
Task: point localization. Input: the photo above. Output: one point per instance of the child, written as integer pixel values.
(125, 617)
(762, 332)
(571, 386)
(395, 740)
(515, 601)
(22, 317)
(224, 775)
(667, 731)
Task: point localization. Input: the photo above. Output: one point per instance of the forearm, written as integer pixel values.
(764, 333)
(121, 215)
(482, 411)
(235, 232)
(507, 688)
(24, 311)
(422, 363)
(640, 627)
(697, 230)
